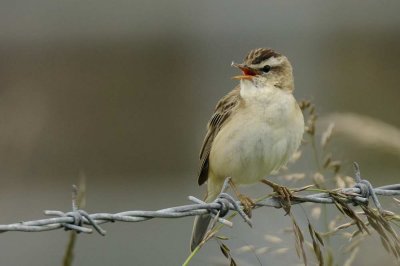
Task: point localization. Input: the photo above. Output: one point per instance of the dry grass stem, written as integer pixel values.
(367, 131)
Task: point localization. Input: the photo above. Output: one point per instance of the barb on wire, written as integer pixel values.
(77, 218)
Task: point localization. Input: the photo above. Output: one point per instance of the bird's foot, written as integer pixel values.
(283, 192)
(248, 204)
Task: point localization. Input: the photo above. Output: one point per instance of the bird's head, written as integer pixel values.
(265, 67)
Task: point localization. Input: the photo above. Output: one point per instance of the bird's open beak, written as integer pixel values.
(248, 73)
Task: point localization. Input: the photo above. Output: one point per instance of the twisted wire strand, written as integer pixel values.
(78, 220)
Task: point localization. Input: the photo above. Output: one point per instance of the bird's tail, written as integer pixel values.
(200, 227)
(201, 224)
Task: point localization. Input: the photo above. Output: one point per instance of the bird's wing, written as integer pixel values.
(225, 107)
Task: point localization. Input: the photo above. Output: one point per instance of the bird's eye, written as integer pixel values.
(266, 69)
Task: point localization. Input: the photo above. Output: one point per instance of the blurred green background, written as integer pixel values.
(122, 90)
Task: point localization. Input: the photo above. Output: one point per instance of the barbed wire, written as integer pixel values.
(77, 219)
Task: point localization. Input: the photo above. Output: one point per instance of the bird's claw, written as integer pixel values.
(248, 204)
(286, 195)
(283, 193)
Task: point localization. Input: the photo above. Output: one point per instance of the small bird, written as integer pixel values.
(254, 130)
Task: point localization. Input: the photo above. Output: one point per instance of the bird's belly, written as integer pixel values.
(249, 149)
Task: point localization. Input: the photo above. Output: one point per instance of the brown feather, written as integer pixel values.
(225, 107)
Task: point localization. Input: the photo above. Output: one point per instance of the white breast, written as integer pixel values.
(259, 138)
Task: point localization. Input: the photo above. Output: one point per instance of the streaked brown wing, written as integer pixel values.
(225, 107)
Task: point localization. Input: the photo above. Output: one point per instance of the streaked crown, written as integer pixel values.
(256, 56)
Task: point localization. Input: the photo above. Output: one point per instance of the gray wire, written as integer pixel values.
(77, 219)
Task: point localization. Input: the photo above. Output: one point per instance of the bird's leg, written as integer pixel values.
(247, 203)
(282, 192)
